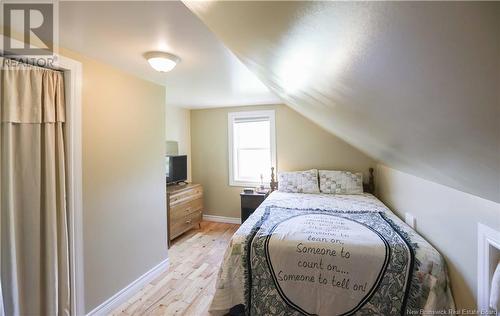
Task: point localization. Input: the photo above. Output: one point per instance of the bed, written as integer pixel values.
(329, 254)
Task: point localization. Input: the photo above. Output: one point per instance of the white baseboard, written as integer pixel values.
(222, 219)
(126, 293)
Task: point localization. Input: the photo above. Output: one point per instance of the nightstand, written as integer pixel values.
(250, 202)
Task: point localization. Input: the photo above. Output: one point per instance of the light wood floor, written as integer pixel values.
(188, 285)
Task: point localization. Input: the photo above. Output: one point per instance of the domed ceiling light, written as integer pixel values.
(162, 61)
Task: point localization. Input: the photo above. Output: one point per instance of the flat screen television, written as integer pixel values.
(176, 167)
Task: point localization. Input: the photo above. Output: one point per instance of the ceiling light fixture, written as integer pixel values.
(162, 61)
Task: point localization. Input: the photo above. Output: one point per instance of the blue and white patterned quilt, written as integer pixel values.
(323, 254)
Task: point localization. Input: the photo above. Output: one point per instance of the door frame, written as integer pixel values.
(73, 92)
(72, 70)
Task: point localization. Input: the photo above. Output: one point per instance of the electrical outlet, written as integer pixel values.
(410, 220)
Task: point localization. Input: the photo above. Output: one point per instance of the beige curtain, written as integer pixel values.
(34, 225)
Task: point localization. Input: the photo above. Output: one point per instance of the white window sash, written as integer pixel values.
(252, 116)
(237, 176)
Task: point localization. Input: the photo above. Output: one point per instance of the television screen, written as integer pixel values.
(176, 167)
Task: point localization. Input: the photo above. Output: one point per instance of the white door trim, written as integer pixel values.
(488, 255)
(73, 83)
(73, 91)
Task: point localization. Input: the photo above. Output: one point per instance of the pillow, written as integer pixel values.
(298, 181)
(340, 182)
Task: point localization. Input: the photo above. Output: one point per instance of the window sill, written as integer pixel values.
(244, 184)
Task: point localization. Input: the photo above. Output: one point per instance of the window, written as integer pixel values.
(252, 147)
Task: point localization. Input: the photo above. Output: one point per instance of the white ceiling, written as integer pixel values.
(415, 85)
(119, 33)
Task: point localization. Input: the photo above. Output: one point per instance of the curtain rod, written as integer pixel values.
(21, 60)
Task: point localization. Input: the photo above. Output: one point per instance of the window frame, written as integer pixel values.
(231, 118)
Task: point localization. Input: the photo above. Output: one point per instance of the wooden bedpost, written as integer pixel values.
(273, 184)
(370, 187)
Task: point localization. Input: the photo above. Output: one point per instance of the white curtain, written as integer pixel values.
(33, 209)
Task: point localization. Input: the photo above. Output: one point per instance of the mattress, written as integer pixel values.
(324, 254)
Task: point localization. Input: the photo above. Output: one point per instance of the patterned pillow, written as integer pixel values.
(298, 181)
(340, 182)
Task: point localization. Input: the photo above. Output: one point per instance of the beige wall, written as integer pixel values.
(124, 223)
(178, 128)
(447, 218)
(300, 143)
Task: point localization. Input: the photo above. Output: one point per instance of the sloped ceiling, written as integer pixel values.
(415, 85)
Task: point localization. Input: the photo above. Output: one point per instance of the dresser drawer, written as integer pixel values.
(182, 209)
(185, 196)
(185, 223)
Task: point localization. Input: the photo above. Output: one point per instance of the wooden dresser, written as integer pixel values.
(184, 208)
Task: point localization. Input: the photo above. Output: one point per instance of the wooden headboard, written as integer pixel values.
(273, 184)
(368, 187)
